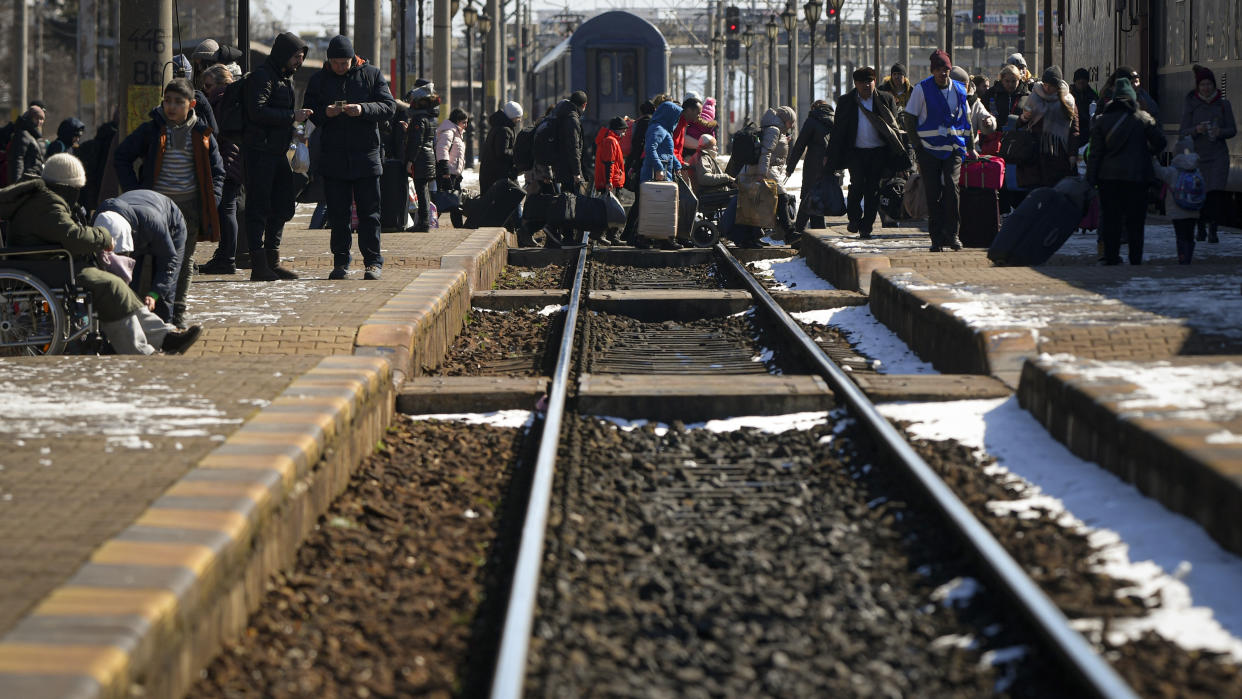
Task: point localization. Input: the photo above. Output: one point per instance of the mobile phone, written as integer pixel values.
(339, 104)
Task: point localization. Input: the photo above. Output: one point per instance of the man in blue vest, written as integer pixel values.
(940, 115)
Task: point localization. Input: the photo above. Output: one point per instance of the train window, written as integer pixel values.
(607, 76)
(629, 79)
(1175, 42)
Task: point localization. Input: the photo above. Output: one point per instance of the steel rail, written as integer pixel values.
(520, 614)
(1092, 671)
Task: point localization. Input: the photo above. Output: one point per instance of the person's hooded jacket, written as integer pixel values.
(569, 140)
(609, 162)
(159, 231)
(69, 131)
(270, 100)
(349, 147)
(659, 155)
(25, 153)
(1123, 153)
(148, 143)
(420, 134)
(774, 146)
(706, 123)
(496, 158)
(812, 141)
(450, 148)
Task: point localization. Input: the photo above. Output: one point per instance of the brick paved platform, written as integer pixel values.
(144, 501)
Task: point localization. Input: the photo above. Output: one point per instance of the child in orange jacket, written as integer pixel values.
(609, 162)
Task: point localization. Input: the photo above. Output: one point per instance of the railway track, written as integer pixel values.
(735, 497)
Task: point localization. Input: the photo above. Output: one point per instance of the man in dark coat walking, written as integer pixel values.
(813, 143)
(496, 158)
(568, 165)
(271, 112)
(348, 100)
(865, 141)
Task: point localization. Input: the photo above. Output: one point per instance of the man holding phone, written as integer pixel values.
(349, 99)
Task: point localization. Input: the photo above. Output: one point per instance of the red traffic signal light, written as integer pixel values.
(733, 20)
(832, 12)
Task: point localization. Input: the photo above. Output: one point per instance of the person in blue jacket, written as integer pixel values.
(158, 230)
(660, 162)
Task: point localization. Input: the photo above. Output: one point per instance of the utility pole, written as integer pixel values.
(146, 50)
(402, 61)
(1030, 51)
(243, 32)
(1049, 30)
(88, 35)
(494, 63)
(442, 55)
(724, 93)
(422, 68)
(367, 23)
(903, 46)
(21, 19)
(519, 66)
(875, 13)
(948, 27)
(344, 18)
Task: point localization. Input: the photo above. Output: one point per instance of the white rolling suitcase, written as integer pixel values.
(657, 210)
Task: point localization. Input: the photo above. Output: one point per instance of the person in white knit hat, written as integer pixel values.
(496, 156)
(39, 213)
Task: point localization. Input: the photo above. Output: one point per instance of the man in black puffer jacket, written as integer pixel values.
(271, 111)
(348, 100)
(812, 141)
(568, 165)
(496, 158)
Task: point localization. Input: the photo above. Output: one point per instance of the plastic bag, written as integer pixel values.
(756, 204)
(299, 157)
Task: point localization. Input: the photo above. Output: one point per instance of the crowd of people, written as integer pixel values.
(177, 179)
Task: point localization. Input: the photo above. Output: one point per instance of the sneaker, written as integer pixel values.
(215, 266)
(338, 273)
(179, 341)
(373, 272)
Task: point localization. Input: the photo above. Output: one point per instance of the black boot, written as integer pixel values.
(273, 262)
(1211, 232)
(1185, 250)
(1201, 235)
(259, 270)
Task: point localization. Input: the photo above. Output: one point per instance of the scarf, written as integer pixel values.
(179, 134)
(1056, 122)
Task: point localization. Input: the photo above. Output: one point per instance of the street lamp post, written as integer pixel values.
(811, 10)
(470, 16)
(836, 67)
(771, 30)
(748, 38)
(718, 44)
(789, 17)
(485, 26)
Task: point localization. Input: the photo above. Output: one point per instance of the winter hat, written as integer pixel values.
(1016, 59)
(897, 68)
(1122, 89)
(182, 67)
(64, 168)
(579, 98)
(1082, 74)
(959, 74)
(617, 124)
(940, 59)
(120, 230)
(707, 142)
(513, 110)
(1204, 73)
(340, 47)
(427, 89)
(864, 74)
(692, 95)
(787, 114)
(206, 50)
(1052, 74)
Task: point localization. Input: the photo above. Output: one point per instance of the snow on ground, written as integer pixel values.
(118, 400)
(790, 273)
(233, 302)
(765, 423)
(1163, 553)
(889, 353)
(497, 418)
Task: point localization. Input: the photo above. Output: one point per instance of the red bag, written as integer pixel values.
(989, 144)
(984, 172)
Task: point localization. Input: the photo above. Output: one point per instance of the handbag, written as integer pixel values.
(826, 199)
(756, 204)
(446, 200)
(1019, 147)
(914, 201)
(299, 157)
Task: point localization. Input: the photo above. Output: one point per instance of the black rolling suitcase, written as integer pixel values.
(980, 217)
(394, 196)
(495, 206)
(1036, 229)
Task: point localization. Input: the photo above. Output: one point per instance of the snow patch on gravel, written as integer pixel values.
(1165, 556)
(765, 423)
(790, 273)
(497, 418)
(870, 337)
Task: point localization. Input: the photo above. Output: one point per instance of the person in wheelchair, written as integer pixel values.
(38, 215)
(711, 185)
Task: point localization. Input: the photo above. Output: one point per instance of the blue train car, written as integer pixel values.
(618, 58)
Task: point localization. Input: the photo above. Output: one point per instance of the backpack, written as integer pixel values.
(523, 148)
(545, 141)
(1189, 192)
(231, 117)
(745, 146)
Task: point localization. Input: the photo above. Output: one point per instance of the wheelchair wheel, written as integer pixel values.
(32, 319)
(704, 234)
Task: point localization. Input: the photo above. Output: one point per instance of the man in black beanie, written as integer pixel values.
(1083, 95)
(897, 85)
(568, 165)
(349, 99)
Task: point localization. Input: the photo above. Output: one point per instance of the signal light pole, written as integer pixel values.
(811, 10)
(838, 81)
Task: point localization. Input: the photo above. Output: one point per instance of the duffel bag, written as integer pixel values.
(983, 172)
